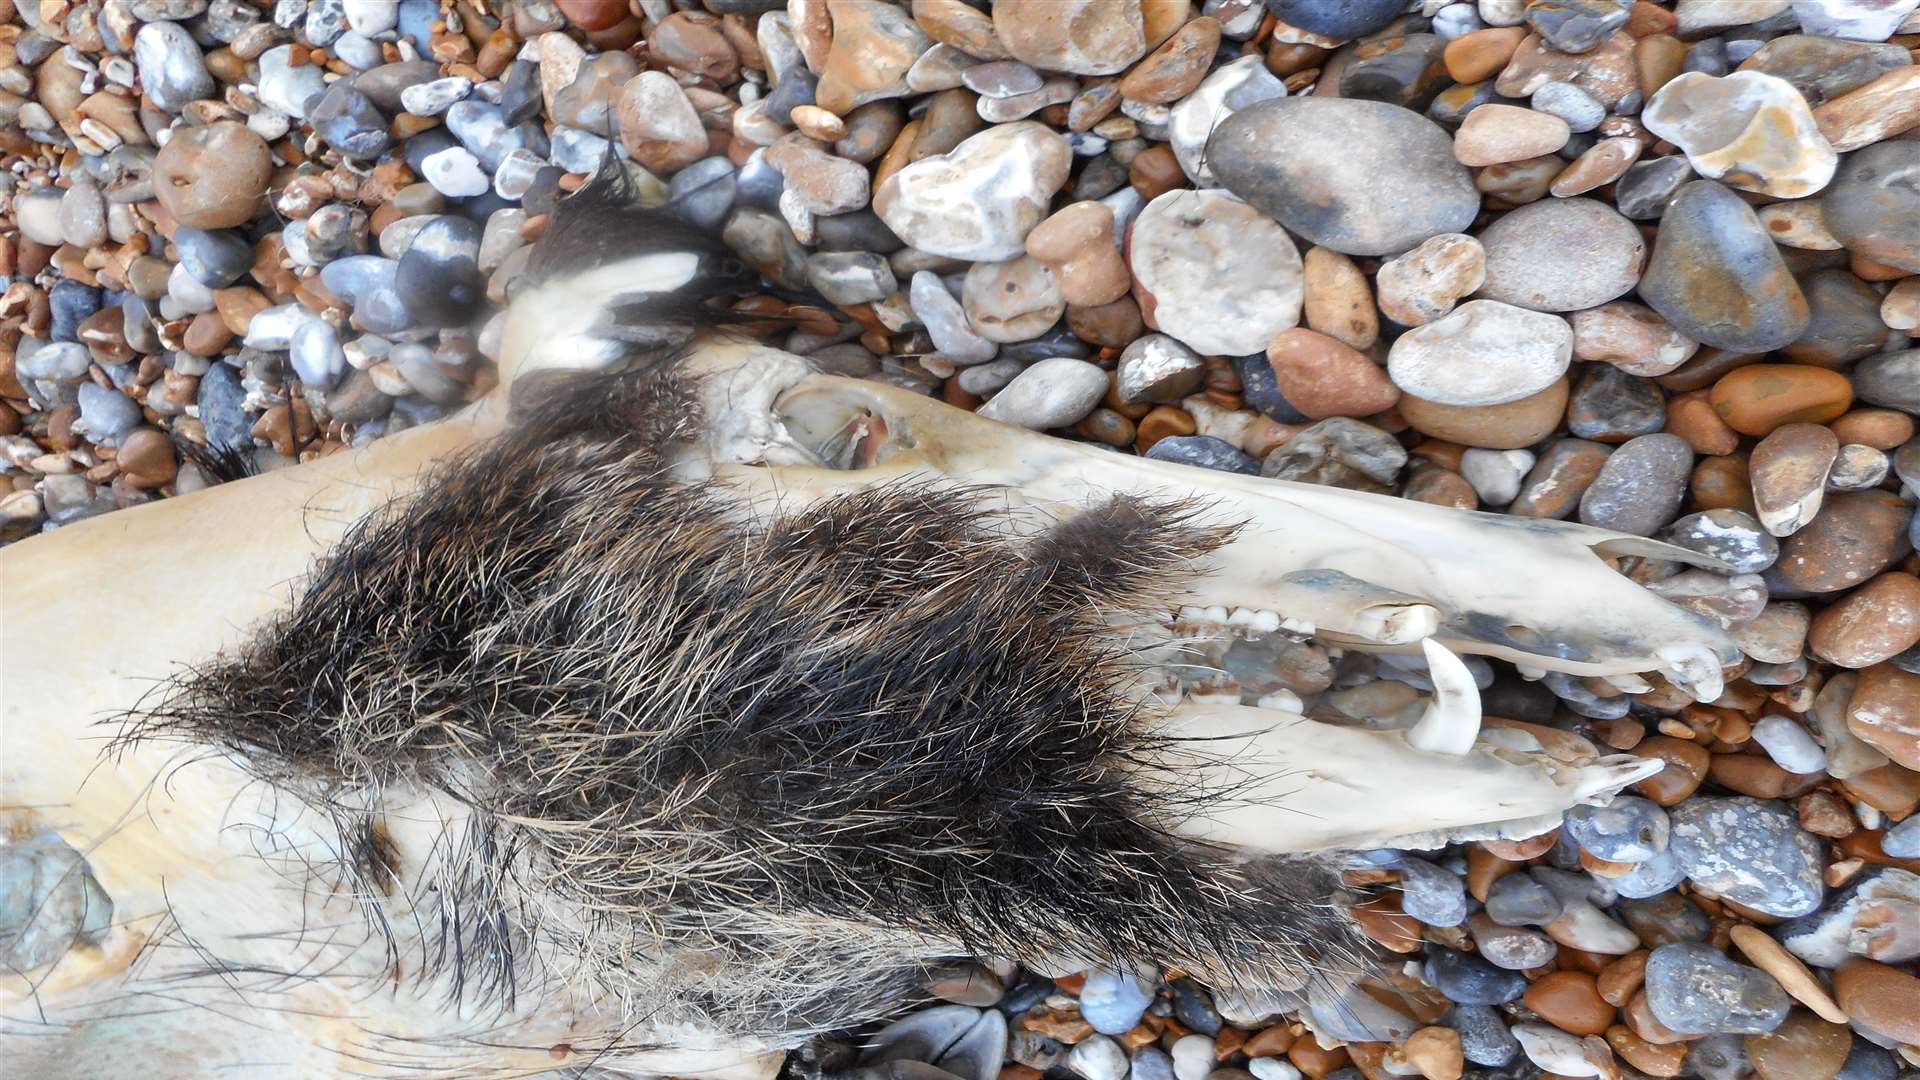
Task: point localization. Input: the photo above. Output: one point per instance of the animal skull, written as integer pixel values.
(236, 938)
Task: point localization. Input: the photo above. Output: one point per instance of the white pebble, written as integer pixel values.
(1495, 474)
(314, 350)
(371, 17)
(1554, 1050)
(1789, 745)
(1098, 1058)
(455, 173)
(1272, 1068)
(274, 327)
(1193, 1057)
(435, 97)
(1053, 393)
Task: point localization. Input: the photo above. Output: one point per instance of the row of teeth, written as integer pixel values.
(1242, 622)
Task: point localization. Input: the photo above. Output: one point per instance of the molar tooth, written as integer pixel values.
(1216, 615)
(1629, 683)
(1694, 669)
(1530, 673)
(1266, 622)
(1297, 626)
(1191, 614)
(1452, 719)
(1241, 619)
(1285, 700)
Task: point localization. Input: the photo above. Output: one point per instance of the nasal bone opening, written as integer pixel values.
(844, 430)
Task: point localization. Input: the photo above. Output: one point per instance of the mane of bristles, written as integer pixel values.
(749, 774)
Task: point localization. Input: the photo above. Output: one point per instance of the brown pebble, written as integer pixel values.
(1107, 426)
(1171, 72)
(1884, 713)
(1882, 429)
(1621, 978)
(147, 458)
(1270, 1041)
(1757, 776)
(1338, 300)
(1322, 376)
(1687, 765)
(1803, 1047)
(1436, 1052)
(1510, 426)
(1440, 487)
(1570, 1001)
(1771, 957)
(1313, 1059)
(1640, 1018)
(1382, 920)
(206, 334)
(1692, 417)
(1890, 789)
(1883, 998)
(1076, 243)
(1757, 398)
(1161, 422)
(1855, 535)
(1875, 622)
(1155, 171)
(1481, 54)
(1649, 1058)
(1521, 850)
(213, 176)
(1494, 134)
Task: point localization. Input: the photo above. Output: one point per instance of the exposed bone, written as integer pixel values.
(1452, 719)
(1300, 785)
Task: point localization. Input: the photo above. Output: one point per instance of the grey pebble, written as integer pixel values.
(1435, 896)
(1643, 191)
(222, 403)
(1629, 829)
(1695, 989)
(1902, 841)
(108, 414)
(851, 277)
(215, 257)
(350, 122)
(1340, 452)
(438, 279)
(1640, 486)
(1751, 851)
(1484, 1038)
(1725, 533)
(172, 70)
(1519, 900)
(1890, 379)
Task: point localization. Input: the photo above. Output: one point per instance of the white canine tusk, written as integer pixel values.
(1452, 719)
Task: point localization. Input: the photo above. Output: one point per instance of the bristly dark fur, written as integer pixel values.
(858, 736)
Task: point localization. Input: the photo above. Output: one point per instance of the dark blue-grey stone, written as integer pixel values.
(520, 92)
(1466, 979)
(794, 90)
(356, 276)
(383, 84)
(1868, 1062)
(1718, 1057)
(1404, 71)
(1338, 18)
(438, 280)
(108, 414)
(1890, 379)
(1432, 894)
(1640, 486)
(350, 122)
(223, 414)
(861, 230)
(1629, 829)
(69, 303)
(1650, 878)
(1519, 900)
(1193, 1008)
(416, 23)
(1058, 341)
(1716, 275)
(1484, 1037)
(418, 148)
(1205, 451)
(215, 258)
(1608, 405)
(1873, 204)
(1695, 989)
(1750, 851)
(1663, 919)
(1709, 57)
(702, 193)
(1360, 177)
(1576, 26)
(1025, 994)
(1727, 534)
(1262, 390)
(1151, 1063)
(1643, 191)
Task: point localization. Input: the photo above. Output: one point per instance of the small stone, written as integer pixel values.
(1716, 277)
(1609, 405)
(1789, 469)
(1789, 745)
(147, 458)
(1203, 451)
(1520, 900)
(1571, 104)
(851, 277)
(1359, 177)
(1081, 37)
(1011, 301)
(1213, 272)
(873, 46)
(1321, 377)
(1098, 1058)
(1854, 536)
(1113, 1002)
(980, 200)
(1646, 188)
(455, 173)
(1191, 123)
(1339, 452)
(1576, 26)
(1435, 896)
(1873, 206)
(1338, 302)
(1858, 468)
(1493, 134)
(1175, 68)
(1879, 110)
(1890, 379)
(1053, 393)
(1077, 244)
(216, 258)
(1423, 284)
(1337, 18)
(946, 321)
(435, 96)
(1879, 997)
(438, 279)
(1751, 129)
(1466, 979)
(212, 176)
(821, 182)
(1570, 1001)
(107, 414)
(1495, 474)
(1758, 398)
(1750, 851)
(1631, 337)
(315, 352)
(1640, 486)
(172, 70)
(663, 132)
(1627, 830)
(1884, 713)
(1484, 1037)
(1496, 427)
(1859, 20)
(1726, 534)
(1157, 368)
(1193, 1057)
(1402, 69)
(1561, 255)
(1512, 948)
(1484, 353)
(350, 122)
(1846, 322)
(1693, 989)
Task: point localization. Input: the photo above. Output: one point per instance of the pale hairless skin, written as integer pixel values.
(200, 861)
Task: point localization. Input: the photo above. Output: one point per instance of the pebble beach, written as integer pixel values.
(1653, 267)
